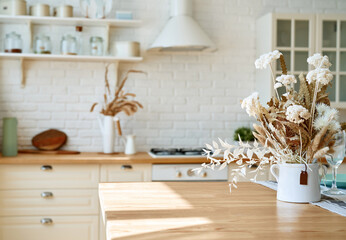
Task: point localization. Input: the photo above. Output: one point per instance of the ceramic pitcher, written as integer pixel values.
(129, 142)
(290, 188)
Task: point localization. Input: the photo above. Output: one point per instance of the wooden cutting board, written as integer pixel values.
(49, 140)
(47, 152)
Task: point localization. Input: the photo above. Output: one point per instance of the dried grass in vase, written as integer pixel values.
(297, 127)
(119, 101)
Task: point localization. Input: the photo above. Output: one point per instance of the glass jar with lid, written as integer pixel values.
(13, 43)
(43, 45)
(69, 45)
(96, 46)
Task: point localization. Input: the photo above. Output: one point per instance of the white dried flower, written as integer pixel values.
(320, 122)
(277, 85)
(264, 60)
(327, 111)
(326, 116)
(297, 114)
(319, 61)
(250, 104)
(320, 75)
(286, 80)
(334, 126)
(321, 108)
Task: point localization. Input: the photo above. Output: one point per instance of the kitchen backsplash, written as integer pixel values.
(189, 99)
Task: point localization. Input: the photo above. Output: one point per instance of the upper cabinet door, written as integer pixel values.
(331, 41)
(294, 38)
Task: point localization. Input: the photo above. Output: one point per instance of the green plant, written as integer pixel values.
(244, 133)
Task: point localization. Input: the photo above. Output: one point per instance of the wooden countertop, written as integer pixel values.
(98, 158)
(94, 158)
(195, 210)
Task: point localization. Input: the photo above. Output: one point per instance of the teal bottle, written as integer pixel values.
(9, 137)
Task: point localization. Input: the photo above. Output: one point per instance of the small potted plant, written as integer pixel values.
(244, 134)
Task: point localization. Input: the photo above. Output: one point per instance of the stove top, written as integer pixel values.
(176, 152)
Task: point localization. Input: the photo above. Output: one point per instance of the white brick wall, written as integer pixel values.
(188, 99)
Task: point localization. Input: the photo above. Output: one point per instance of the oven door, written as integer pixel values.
(185, 173)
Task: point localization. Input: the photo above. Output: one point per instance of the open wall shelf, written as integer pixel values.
(69, 21)
(79, 58)
(30, 21)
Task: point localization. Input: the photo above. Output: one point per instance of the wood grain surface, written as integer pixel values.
(195, 210)
(95, 158)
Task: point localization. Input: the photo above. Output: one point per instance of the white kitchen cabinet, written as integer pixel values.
(294, 36)
(126, 172)
(331, 41)
(66, 195)
(49, 227)
(299, 36)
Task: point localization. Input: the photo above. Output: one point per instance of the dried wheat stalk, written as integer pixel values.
(120, 101)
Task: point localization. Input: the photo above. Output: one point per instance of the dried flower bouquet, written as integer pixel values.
(120, 102)
(297, 127)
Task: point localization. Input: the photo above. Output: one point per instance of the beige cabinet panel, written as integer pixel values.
(48, 202)
(48, 176)
(61, 228)
(126, 173)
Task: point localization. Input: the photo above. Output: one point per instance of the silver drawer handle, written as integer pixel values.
(47, 194)
(46, 168)
(126, 167)
(46, 221)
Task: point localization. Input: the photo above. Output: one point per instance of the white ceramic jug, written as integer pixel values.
(129, 142)
(108, 133)
(289, 187)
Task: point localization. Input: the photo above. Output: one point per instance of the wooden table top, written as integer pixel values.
(195, 210)
(95, 158)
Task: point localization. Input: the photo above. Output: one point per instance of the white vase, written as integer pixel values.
(289, 187)
(108, 133)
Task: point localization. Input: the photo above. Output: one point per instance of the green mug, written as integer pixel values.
(9, 137)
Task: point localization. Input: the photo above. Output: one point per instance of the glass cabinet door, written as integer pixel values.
(301, 33)
(333, 44)
(293, 41)
(283, 37)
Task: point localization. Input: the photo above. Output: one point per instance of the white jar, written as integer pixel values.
(13, 7)
(40, 10)
(63, 11)
(126, 49)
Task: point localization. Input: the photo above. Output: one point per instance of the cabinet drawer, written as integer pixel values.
(48, 176)
(126, 173)
(52, 202)
(66, 228)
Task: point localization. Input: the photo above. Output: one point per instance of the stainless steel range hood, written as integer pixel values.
(182, 32)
